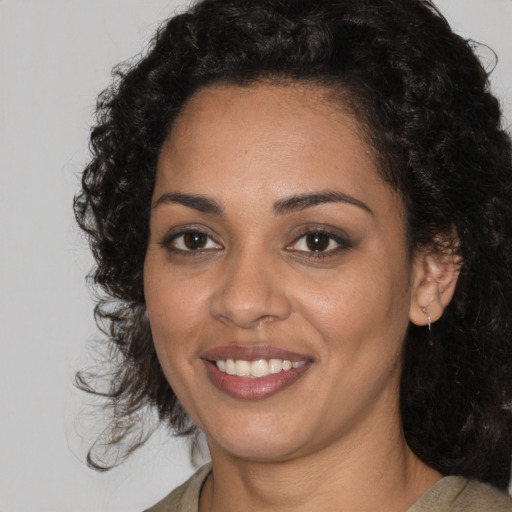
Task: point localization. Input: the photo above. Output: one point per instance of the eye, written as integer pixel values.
(190, 241)
(318, 242)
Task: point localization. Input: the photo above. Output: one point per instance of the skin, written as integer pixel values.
(334, 436)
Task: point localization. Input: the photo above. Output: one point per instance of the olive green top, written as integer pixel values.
(450, 494)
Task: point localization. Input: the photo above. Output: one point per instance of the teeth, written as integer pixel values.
(242, 368)
(230, 367)
(276, 365)
(258, 368)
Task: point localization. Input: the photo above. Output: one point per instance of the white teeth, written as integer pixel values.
(242, 368)
(276, 365)
(258, 368)
(230, 367)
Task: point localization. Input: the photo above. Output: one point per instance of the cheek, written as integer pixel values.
(175, 320)
(365, 305)
(175, 308)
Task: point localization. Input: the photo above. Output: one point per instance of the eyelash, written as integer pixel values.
(169, 243)
(343, 244)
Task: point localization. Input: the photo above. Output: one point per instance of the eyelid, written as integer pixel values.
(342, 240)
(180, 231)
(334, 234)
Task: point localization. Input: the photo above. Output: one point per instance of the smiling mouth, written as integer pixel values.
(254, 373)
(258, 368)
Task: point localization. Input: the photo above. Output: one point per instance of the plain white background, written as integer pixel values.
(55, 56)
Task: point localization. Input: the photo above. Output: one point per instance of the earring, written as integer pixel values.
(429, 318)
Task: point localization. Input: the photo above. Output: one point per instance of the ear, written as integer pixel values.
(435, 275)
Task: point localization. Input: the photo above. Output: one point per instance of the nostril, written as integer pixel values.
(250, 294)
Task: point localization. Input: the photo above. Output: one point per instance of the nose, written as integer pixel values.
(250, 292)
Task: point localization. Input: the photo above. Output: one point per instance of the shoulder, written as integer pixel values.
(458, 494)
(184, 498)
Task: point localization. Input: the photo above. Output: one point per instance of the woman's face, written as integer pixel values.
(275, 243)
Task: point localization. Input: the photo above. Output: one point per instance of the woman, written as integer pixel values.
(300, 212)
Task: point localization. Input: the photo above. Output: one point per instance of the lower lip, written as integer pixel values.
(256, 388)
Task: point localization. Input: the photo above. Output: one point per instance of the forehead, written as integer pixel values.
(290, 107)
(252, 146)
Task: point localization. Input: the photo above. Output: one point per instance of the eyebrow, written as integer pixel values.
(295, 203)
(197, 202)
(304, 201)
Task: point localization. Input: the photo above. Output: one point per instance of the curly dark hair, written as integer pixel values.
(424, 100)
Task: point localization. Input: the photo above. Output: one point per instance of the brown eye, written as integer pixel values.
(190, 241)
(195, 240)
(317, 241)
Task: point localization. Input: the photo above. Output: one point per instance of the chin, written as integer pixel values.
(262, 442)
(258, 450)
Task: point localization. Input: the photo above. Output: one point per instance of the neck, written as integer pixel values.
(377, 472)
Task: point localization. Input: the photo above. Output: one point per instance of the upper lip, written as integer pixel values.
(251, 353)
